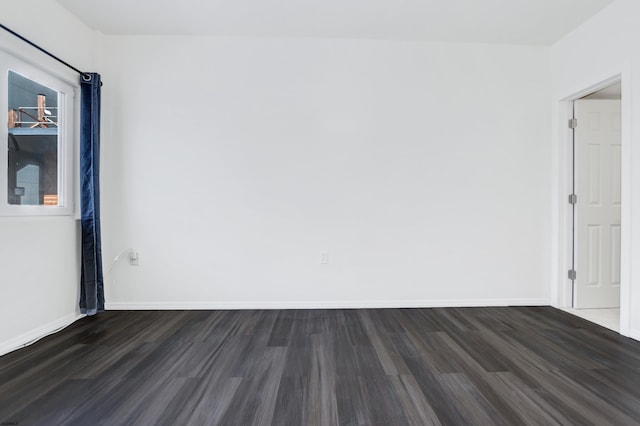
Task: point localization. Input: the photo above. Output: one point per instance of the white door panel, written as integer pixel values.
(597, 180)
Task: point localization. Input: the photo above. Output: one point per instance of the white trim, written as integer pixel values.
(34, 335)
(626, 216)
(17, 48)
(328, 304)
(634, 334)
(561, 290)
(65, 137)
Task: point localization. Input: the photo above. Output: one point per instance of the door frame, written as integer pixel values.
(562, 288)
(583, 296)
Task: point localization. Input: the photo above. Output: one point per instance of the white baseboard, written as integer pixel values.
(330, 304)
(634, 334)
(32, 336)
(37, 334)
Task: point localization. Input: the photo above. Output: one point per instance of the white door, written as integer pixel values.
(597, 185)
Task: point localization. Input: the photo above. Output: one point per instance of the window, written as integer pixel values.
(37, 148)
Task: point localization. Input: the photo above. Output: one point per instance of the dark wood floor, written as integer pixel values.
(485, 366)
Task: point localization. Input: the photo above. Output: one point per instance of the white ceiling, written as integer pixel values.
(489, 21)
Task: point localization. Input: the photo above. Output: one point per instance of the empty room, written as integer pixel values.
(319, 213)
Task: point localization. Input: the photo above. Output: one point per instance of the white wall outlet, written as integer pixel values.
(134, 258)
(324, 258)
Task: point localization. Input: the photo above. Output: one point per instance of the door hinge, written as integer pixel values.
(573, 123)
(572, 274)
(573, 199)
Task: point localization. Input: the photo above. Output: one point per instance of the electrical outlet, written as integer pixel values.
(134, 258)
(324, 258)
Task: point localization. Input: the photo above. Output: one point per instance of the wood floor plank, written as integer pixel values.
(290, 403)
(210, 406)
(467, 400)
(255, 400)
(417, 409)
(531, 409)
(381, 335)
(477, 377)
(444, 366)
(320, 403)
(440, 400)
(576, 404)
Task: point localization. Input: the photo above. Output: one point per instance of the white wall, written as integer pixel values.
(39, 257)
(602, 48)
(231, 164)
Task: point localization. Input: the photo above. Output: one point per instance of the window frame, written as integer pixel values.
(66, 139)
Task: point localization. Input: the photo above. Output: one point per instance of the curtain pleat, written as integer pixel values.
(91, 281)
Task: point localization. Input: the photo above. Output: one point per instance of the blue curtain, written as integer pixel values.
(91, 281)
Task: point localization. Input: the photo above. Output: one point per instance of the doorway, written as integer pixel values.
(596, 201)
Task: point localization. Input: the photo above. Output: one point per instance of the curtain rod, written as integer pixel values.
(84, 75)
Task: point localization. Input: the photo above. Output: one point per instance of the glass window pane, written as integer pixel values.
(33, 143)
